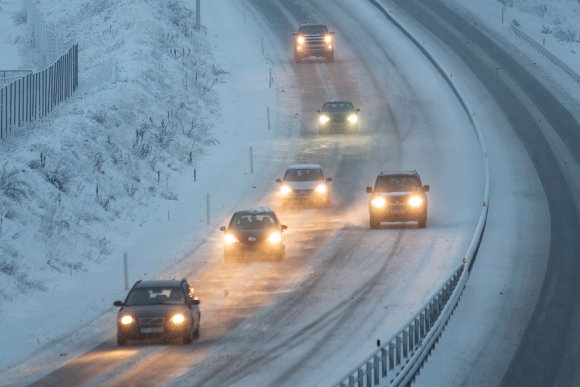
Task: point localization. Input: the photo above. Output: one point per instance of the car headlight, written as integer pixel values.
(353, 118)
(300, 39)
(285, 190)
(229, 239)
(178, 319)
(323, 119)
(415, 201)
(379, 202)
(275, 237)
(125, 320)
(328, 38)
(321, 189)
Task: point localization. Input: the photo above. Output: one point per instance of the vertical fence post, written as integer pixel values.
(207, 207)
(391, 356)
(405, 344)
(198, 15)
(369, 374)
(502, 11)
(251, 160)
(376, 367)
(399, 345)
(360, 378)
(262, 46)
(126, 267)
(384, 362)
(270, 79)
(268, 115)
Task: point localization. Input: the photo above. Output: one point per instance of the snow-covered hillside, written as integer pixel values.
(74, 183)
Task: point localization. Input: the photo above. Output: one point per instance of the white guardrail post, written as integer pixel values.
(406, 350)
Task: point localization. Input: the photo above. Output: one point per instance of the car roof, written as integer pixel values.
(399, 173)
(305, 166)
(311, 25)
(338, 102)
(256, 210)
(158, 283)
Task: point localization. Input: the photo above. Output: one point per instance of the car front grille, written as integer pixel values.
(314, 41)
(152, 321)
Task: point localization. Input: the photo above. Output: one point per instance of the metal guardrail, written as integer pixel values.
(391, 357)
(542, 50)
(36, 94)
(406, 351)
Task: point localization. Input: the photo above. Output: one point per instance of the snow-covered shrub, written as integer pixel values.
(566, 34)
(60, 177)
(535, 9)
(546, 30)
(11, 186)
(19, 18)
(508, 3)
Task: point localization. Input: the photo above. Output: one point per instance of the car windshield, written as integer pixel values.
(396, 183)
(155, 295)
(253, 221)
(313, 30)
(303, 175)
(338, 107)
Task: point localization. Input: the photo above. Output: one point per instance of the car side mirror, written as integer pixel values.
(328, 179)
(284, 227)
(294, 33)
(318, 111)
(331, 33)
(358, 110)
(223, 228)
(195, 301)
(425, 188)
(369, 190)
(278, 180)
(118, 303)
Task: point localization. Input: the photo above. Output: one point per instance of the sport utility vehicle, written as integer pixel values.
(158, 309)
(313, 40)
(398, 197)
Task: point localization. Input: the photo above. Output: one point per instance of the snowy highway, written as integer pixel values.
(307, 320)
(342, 286)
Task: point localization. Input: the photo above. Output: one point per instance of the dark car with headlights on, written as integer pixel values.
(338, 116)
(255, 231)
(398, 197)
(313, 40)
(164, 309)
(305, 183)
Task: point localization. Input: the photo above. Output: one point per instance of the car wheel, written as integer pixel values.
(422, 223)
(196, 332)
(188, 335)
(330, 56)
(297, 58)
(374, 222)
(121, 340)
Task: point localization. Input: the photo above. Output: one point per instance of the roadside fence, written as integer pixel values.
(551, 57)
(399, 360)
(36, 94)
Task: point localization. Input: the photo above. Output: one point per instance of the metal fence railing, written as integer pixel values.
(542, 50)
(34, 95)
(388, 360)
(398, 361)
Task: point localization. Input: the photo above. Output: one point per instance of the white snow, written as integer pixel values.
(132, 77)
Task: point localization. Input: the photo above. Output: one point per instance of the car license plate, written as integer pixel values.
(152, 330)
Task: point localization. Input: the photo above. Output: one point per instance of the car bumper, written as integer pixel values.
(136, 331)
(398, 215)
(318, 50)
(264, 249)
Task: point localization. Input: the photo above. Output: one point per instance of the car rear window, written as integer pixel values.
(337, 107)
(396, 183)
(303, 175)
(253, 221)
(155, 295)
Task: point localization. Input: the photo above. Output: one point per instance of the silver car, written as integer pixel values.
(305, 183)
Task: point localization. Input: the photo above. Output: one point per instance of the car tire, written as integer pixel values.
(196, 332)
(297, 58)
(374, 222)
(188, 336)
(330, 56)
(121, 341)
(422, 223)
